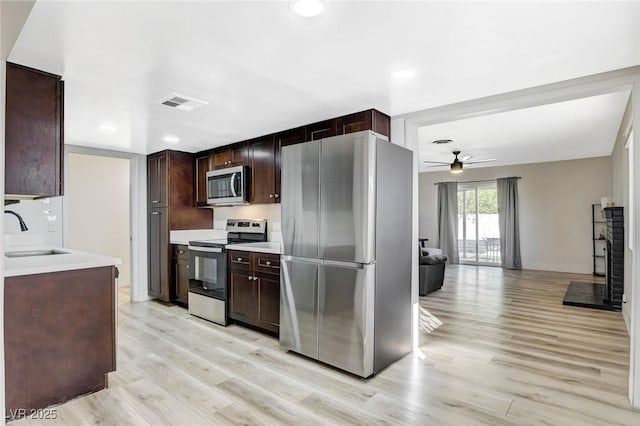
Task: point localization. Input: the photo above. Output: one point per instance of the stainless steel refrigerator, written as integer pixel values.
(345, 295)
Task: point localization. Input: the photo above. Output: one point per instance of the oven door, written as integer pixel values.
(227, 186)
(208, 267)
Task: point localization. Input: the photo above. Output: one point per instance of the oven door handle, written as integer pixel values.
(205, 249)
(232, 182)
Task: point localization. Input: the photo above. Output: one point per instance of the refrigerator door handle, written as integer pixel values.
(301, 259)
(341, 264)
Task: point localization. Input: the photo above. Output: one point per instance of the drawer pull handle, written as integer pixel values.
(187, 266)
(239, 259)
(268, 263)
(270, 195)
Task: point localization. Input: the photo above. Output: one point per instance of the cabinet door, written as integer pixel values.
(321, 130)
(157, 172)
(159, 254)
(222, 159)
(202, 166)
(289, 137)
(181, 276)
(239, 154)
(242, 296)
(33, 132)
(263, 170)
(355, 122)
(268, 303)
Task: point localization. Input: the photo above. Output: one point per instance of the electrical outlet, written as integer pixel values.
(52, 226)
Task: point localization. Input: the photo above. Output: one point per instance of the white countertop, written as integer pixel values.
(70, 260)
(266, 247)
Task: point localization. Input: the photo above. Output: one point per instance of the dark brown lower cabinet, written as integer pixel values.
(180, 273)
(60, 336)
(242, 296)
(268, 303)
(254, 289)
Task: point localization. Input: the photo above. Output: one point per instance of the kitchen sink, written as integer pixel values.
(30, 253)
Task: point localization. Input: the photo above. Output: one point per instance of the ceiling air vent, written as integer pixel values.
(185, 103)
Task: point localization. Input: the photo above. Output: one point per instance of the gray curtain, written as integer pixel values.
(508, 219)
(448, 220)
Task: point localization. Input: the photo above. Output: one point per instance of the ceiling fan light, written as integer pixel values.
(456, 167)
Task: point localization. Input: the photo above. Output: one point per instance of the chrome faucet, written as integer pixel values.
(23, 226)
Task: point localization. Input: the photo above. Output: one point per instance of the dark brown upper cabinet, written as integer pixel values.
(231, 156)
(157, 180)
(365, 120)
(321, 130)
(34, 133)
(282, 139)
(202, 164)
(262, 153)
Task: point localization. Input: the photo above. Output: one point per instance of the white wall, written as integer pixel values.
(620, 176)
(43, 218)
(555, 208)
(271, 212)
(97, 189)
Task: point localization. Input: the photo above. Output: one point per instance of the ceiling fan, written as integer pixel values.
(457, 165)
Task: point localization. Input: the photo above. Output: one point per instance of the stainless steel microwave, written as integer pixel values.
(228, 187)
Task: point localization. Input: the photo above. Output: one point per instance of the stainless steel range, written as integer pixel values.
(208, 266)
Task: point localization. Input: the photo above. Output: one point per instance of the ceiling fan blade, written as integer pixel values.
(437, 162)
(481, 161)
(466, 158)
(439, 165)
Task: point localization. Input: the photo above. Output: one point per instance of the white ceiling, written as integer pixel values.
(263, 68)
(579, 128)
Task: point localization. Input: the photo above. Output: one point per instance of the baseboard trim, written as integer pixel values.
(552, 267)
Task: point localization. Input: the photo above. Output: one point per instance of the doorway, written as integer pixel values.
(478, 229)
(98, 208)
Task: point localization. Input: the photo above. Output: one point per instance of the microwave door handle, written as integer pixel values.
(232, 183)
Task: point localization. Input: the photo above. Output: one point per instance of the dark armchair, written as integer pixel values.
(431, 275)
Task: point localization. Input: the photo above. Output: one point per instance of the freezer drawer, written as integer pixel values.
(299, 306)
(345, 319)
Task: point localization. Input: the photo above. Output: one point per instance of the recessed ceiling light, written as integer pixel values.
(108, 128)
(403, 74)
(171, 139)
(307, 8)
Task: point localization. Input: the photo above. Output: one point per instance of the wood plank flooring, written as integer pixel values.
(497, 347)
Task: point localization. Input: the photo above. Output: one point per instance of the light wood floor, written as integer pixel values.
(497, 348)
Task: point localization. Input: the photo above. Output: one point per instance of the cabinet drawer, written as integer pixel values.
(180, 252)
(241, 259)
(269, 263)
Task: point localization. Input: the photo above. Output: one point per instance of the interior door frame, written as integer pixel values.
(137, 213)
(404, 131)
